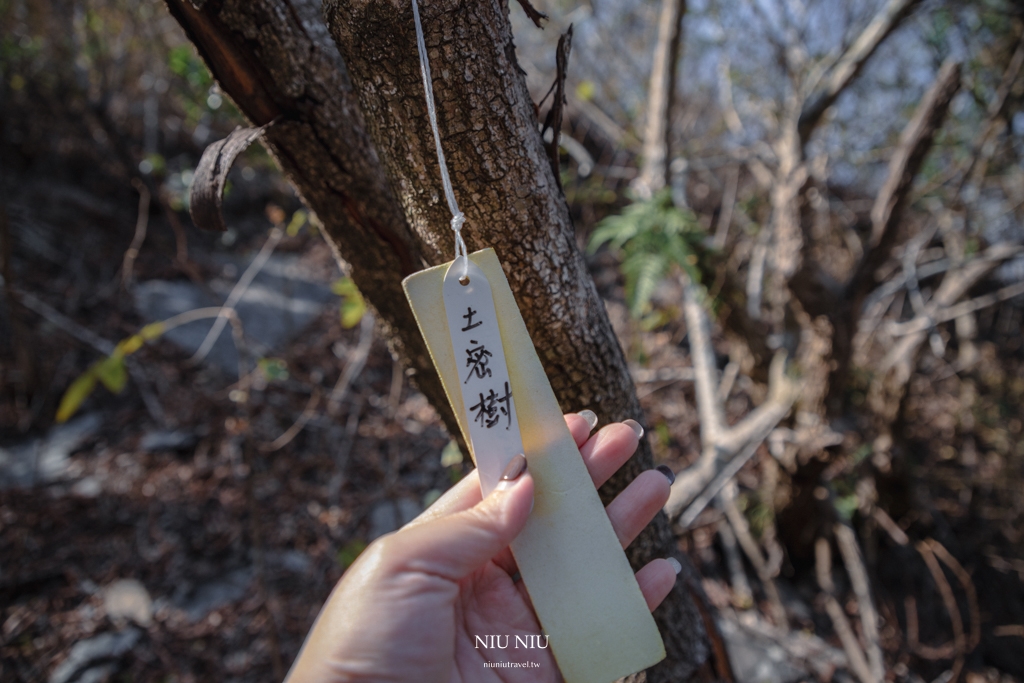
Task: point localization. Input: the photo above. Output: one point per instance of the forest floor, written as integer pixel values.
(178, 549)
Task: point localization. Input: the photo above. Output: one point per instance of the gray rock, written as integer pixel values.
(216, 593)
(128, 599)
(168, 440)
(275, 308)
(78, 666)
(45, 459)
(755, 659)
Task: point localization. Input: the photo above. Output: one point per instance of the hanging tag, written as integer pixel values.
(483, 374)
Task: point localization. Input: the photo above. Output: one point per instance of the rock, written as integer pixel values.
(275, 308)
(45, 459)
(389, 515)
(128, 599)
(213, 594)
(99, 650)
(756, 659)
(168, 440)
(89, 487)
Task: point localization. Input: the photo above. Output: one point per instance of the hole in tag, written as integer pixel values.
(464, 280)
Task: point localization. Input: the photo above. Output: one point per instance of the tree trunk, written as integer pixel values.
(506, 188)
(275, 59)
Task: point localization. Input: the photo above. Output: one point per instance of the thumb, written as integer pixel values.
(455, 546)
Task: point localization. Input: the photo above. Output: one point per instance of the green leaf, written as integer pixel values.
(451, 455)
(350, 551)
(298, 220)
(128, 346)
(352, 310)
(75, 396)
(152, 331)
(274, 369)
(112, 373)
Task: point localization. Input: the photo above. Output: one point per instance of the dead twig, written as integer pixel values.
(286, 438)
(949, 601)
(141, 225)
(553, 120)
(854, 654)
(838, 77)
(354, 364)
(237, 292)
(738, 523)
(965, 580)
(849, 549)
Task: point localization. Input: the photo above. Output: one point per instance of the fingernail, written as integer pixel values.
(516, 468)
(667, 471)
(675, 564)
(590, 416)
(635, 426)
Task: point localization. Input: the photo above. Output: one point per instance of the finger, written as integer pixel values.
(637, 505)
(581, 424)
(464, 495)
(656, 580)
(455, 545)
(609, 449)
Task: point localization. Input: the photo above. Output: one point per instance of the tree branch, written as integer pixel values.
(660, 95)
(915, 141)
(851, 62)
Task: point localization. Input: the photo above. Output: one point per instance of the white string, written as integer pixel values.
(458, 218)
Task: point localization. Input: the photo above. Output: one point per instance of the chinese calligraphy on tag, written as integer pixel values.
(494, 406)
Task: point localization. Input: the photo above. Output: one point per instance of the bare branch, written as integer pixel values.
(850, 63)
(660, 94)
(915, 141)
(854, 654)
(847, 542)
(702, 354)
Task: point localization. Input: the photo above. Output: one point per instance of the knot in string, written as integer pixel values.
(458, 218)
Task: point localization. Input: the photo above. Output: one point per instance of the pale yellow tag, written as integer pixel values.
(578, 577)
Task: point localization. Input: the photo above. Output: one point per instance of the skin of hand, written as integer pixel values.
(409, 607)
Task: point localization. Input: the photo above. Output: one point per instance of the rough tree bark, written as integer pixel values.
(386, 215)
(275, 59)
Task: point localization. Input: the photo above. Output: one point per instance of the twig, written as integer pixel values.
(535, 16)
(732, 181)
(915, 141)
(98, 343)
(353, 366)
(141, 225)
(949, 600)
(297, 426)
(850, 63)
(739, 525)
(854, 655)
(743, 597)
(1009, 630)
(926, 321)
(848, 548)
(553, 120)
(883, 520)
(236, 294)
(965, 581)
(723, 474)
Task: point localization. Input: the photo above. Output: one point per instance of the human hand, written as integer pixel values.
(408, 609)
